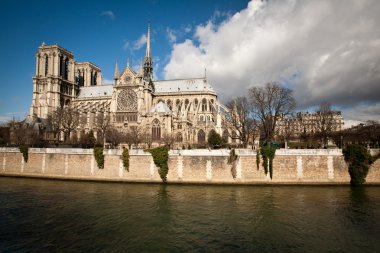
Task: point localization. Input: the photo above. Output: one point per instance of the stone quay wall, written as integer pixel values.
(290, 166)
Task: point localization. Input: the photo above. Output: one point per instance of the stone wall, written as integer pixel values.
(185, 166)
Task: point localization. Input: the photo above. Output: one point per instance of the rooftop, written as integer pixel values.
(183, 85)
(95, 91)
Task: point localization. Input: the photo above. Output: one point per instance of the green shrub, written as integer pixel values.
(99, 157)
(232, 160)
(25, 152)
(258, 159)
(160, 158)
(125, 158)
(267, 153)
(358, 160)
(214, 139)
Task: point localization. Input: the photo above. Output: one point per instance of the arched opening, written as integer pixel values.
(201, 137)
(233, 136)
(156, 130)
(169, 103)
(204, 105)
(66, 69)
(195, 104)
(225, 136)
(179, 137)
(46, 65)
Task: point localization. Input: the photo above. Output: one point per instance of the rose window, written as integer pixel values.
(127, 101)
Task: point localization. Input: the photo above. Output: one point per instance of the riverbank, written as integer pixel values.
(201, 166)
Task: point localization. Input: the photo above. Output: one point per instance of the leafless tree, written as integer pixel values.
(102, 123)
(269, 103)
(135, 135)
(54, 122)
(324, 122)
(70, 120)
(241, 119)
(114, 136)
(168, 139)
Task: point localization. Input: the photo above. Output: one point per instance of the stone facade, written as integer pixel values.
(185, 110)
(185, 166)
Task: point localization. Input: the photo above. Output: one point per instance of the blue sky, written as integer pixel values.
(97, 31)
(326, 51)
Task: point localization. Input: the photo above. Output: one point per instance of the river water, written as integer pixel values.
(63, 216)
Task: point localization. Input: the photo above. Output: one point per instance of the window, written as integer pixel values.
(46, 65)
(225, 136)
(201, 136)
(179, 137)
(179, 126)
(60, 65)
(66, 69)
(95, 77)
(156, 130)
(169, 103)
(204, 105)
(195, 104)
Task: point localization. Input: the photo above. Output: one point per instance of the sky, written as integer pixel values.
(326, 51)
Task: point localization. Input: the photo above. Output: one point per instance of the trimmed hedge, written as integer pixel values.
(267, 153)
(160, 158)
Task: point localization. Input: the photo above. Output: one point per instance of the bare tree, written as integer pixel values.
(102, 123)
(269, 103)
(135, 135)
(324, 122)
(168, 139)
(114, 136)
(241, 119)
(70, 120)
(54, 122)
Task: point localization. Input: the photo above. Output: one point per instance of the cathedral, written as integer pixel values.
(184, 109)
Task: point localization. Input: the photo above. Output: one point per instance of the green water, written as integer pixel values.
(58, 216)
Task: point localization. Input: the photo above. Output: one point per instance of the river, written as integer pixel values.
(65, 216)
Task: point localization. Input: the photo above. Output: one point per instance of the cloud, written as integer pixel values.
(135, 45)
(107, 82)
(324, 50)
(170, 33)
(108, 14)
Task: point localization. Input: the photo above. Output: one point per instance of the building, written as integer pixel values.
(183, 109)
(309, 123)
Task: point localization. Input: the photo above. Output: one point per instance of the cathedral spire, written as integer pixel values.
(147, 53)
(148, 62)
(117, 73)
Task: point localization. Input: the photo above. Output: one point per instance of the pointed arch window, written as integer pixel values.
(195, 104)
(156, 130)
(225, 136)
(204, 105)
(46, 65)
(179, 137)
(201, 136)
(66, 69)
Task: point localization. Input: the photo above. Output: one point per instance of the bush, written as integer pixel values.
(160, 158)
(25, 152)
(99, 157)
(126, 159)
(358, 160)
(214, 139)
(267, 153)
(258, 159)
(232, 160)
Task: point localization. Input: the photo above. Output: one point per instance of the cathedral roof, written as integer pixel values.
(161, 107)
(95, 91)
(183, 85)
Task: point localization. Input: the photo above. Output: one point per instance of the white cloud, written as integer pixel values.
(109, 14)
(135, 45)
(170, 33)
(325, 50)
(107, 82)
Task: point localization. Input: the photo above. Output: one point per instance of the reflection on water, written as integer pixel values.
(42, 216)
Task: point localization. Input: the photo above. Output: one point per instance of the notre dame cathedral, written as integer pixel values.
(186, 109)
